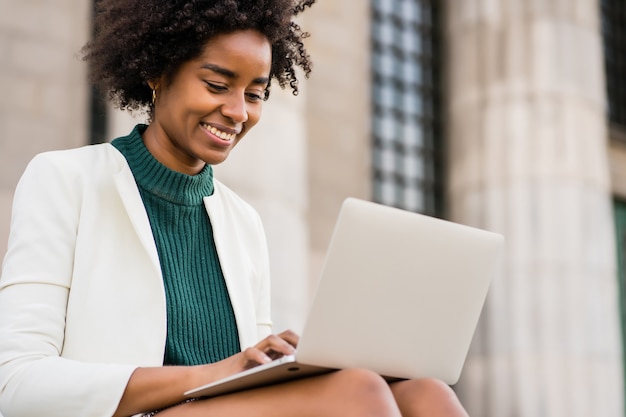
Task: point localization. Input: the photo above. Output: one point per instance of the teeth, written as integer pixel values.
(219, 133)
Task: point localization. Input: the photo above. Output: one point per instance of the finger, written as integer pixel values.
(291, 337)
(255, 356)
(276, 346)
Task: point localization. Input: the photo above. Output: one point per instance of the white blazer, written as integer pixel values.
(82, 302)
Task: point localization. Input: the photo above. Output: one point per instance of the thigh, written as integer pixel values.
(346, 393)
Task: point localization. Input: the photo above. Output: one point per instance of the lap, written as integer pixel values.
(155, 412)
(342, 393)
(345, 393)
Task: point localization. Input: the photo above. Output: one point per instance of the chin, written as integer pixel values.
(216, 159)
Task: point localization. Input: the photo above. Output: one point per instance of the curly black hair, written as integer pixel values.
(137, 41)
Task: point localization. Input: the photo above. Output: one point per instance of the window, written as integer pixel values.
(620, 228)
(97, 109)
(97, 117)
(407, 148)
(614, 37)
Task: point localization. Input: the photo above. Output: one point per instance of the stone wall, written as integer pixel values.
(43, 104)
(337, 117)
(528, 158)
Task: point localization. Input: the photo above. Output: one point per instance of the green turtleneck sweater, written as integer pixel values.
(201, 325)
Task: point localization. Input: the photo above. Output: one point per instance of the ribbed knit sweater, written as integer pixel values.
(201, 325)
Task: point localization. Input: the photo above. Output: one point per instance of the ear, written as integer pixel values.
(156, 83)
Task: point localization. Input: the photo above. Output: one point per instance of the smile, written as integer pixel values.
(222, 135)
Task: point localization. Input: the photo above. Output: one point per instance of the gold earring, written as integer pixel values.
(153, 96)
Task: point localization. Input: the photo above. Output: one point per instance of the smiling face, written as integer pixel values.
(210, 102)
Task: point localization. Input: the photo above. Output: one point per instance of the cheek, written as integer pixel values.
(254, 115)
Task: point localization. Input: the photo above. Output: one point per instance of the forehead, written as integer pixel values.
(249, 50)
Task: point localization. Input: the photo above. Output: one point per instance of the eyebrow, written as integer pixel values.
(231, 74)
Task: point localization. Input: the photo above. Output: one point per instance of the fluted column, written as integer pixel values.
(44, 93)
(528, 158)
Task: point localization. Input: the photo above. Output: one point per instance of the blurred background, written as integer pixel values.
(508, 115)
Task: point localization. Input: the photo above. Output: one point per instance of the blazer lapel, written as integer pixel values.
(126, 186)
(227, 247)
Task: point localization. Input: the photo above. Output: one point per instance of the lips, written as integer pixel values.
(228, 137)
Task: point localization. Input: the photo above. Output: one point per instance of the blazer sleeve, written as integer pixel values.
(35, 379)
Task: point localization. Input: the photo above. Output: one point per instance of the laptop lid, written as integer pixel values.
(400, 293)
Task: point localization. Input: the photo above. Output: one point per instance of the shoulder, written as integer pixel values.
(229, 209)
(85, 158)
(77, 165)
(72, 170)
(233, 201)
(89, 159)
(228, 196)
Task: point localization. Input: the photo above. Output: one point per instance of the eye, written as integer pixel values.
(216, 87)
(254, 97)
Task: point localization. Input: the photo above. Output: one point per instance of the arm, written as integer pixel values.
(158, 387)
(34, 289)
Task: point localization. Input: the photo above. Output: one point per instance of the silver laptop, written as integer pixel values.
(400, 293)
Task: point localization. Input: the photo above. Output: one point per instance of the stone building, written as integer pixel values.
(509, 115)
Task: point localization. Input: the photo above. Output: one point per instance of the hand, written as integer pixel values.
(268, 349)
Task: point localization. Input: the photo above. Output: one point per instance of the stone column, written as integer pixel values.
(43, 104)
(528, 158)
(338, 117)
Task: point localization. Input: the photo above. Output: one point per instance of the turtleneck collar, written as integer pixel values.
(157, 179)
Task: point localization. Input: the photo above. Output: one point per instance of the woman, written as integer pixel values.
(132, 275)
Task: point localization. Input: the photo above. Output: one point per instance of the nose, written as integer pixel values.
(235, 108)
